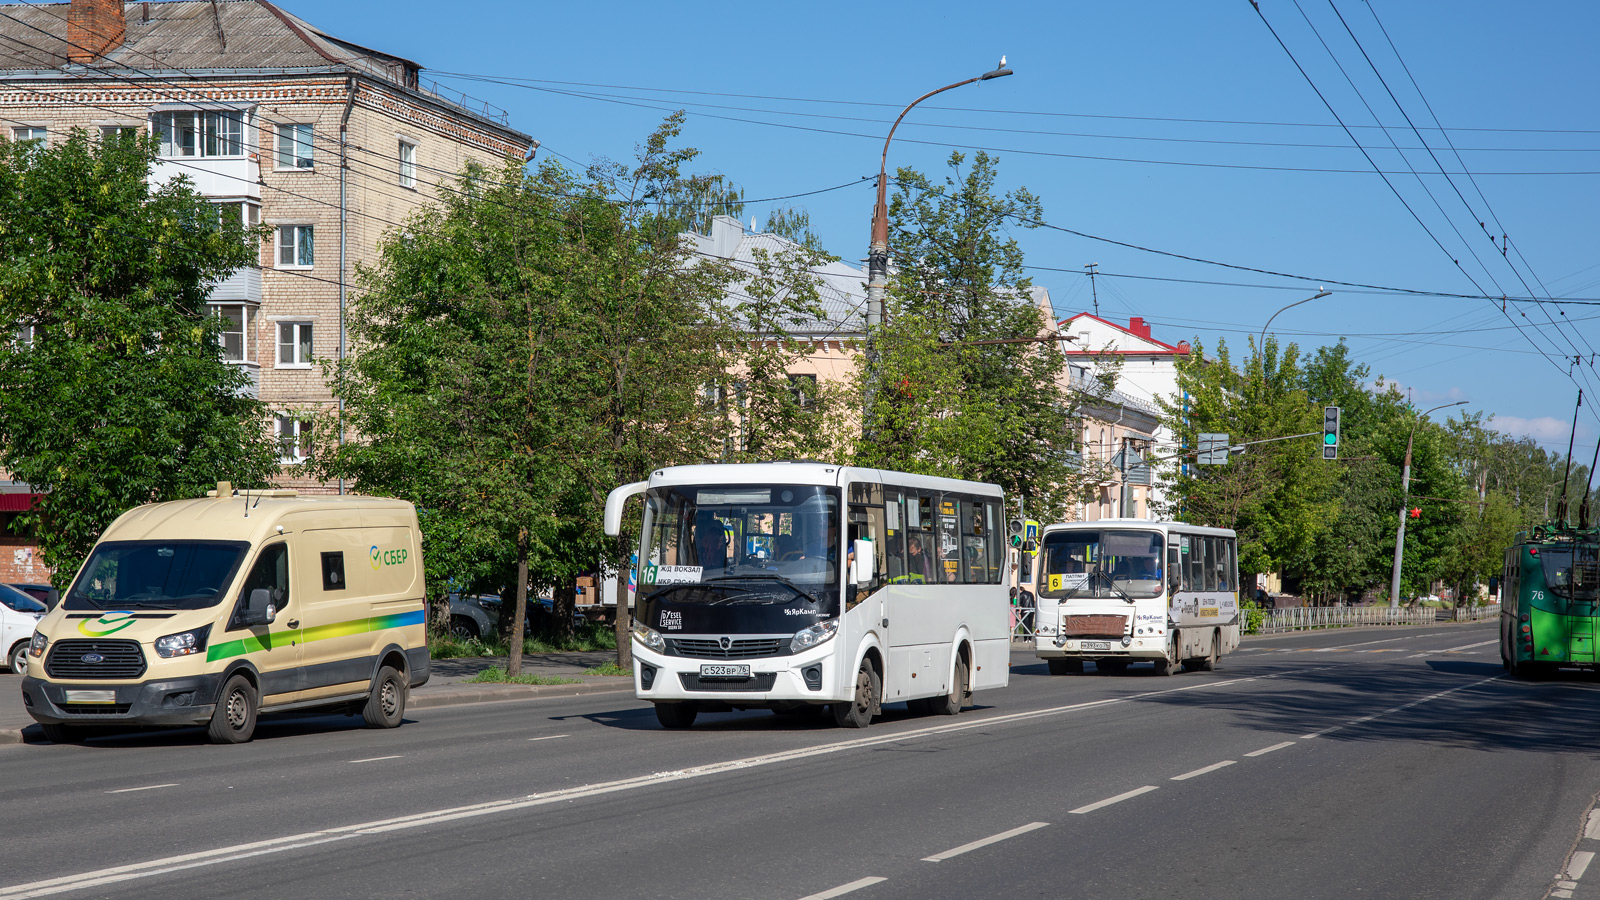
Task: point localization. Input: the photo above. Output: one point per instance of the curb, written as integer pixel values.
(493, 693)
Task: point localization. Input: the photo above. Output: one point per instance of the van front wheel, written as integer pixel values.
(234, 720)
(386, 704)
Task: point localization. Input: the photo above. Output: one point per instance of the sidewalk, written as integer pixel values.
(444, 687)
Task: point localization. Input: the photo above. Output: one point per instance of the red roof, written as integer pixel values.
(18, 502)
(1136, 327)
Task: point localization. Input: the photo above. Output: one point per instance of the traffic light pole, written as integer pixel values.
(1405, 494)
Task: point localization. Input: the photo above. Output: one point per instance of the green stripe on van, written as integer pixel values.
(252, 643)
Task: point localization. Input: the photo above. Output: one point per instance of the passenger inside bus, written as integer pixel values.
(710, 541)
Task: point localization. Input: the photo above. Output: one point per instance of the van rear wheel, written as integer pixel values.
(386, 704)
(234, 719)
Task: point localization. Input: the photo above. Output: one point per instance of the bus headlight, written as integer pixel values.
(649, 637)
(806, 638)
(184, 643)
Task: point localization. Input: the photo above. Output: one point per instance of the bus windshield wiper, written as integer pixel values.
(761, 577)
(1112, 583)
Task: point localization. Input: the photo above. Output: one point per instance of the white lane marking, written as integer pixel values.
(1580, 864)
(148, 787)
(1208, 769)
(164, 865)
(984, 842)
(1469, 646)
(1561, 894)
(1110, 800)
(1395, 709)
(1591, 829)
(549, 737)
(843, 889)
(1265, 750)
(375, 758)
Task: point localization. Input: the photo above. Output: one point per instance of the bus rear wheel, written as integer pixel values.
(1207, 663)
(676, 715)
(951, 703)
(1065, 666)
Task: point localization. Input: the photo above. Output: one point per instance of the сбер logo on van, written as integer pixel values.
(381, 558)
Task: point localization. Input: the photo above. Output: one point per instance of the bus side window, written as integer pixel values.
(1174, 560)
(974, 543)
(947, 539)
(894, 545)
(997, 544)
(1210, 565)
(1191, 564)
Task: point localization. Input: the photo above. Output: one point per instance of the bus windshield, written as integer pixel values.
(156, 575)
(1571, 573)
(1102, 564)
(736, 545)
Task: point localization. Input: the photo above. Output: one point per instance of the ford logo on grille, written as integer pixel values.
(92, 658)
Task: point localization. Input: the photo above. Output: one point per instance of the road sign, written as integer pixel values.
(1213, 449)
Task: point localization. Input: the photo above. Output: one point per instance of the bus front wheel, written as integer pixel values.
(1065, 666)
(857, 712)
(676, 715)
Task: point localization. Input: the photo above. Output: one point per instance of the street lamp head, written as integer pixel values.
(1000, 71)
(1322, 294)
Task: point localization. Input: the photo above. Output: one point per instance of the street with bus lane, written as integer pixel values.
(1395, 762)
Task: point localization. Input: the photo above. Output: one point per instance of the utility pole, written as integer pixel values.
(1094, 269)
(1405, 492)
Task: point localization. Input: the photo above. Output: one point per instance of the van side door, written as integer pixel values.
(273, 649)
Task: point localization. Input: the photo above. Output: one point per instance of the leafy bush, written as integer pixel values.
(1254, 615)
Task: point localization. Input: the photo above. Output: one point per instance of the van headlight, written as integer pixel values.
(649, 637)
(37, 645)
(806, 638)
(184, 643)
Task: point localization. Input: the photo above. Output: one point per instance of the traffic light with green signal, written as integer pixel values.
(1330, 432)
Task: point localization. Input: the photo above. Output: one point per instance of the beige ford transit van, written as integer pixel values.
(209, 612)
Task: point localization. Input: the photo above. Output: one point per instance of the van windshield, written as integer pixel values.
(156, 575)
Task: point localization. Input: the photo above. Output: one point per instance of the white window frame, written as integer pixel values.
(247, 322)
(297, 345)
(285, 143)
(202, 124)
(40, 133)
(23, 335)
(115, 130)
(293, 442)
(279, 246)
(408, 164)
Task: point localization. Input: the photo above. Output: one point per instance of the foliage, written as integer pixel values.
(1253, 614)
(121, 397)
(497, 675)
(944, 404)
(609, 668)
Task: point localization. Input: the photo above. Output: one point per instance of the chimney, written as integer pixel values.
(1137, 326)
(726, 232)
(94, 28)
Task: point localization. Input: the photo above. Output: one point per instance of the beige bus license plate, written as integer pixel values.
(725, 671)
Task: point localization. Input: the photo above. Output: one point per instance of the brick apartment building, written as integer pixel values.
(330, 143)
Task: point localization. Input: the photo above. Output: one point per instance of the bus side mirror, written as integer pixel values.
(1174, 583)
(863, 567)
(258, 608)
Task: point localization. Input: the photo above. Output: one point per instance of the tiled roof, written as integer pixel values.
(841, 288)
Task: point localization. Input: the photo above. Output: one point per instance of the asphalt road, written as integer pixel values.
(1373, 763)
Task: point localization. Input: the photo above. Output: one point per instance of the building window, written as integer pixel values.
(295, 247)
(238, 322)
(23, 336)
(109, 132)
(200, 133)
(803, 390)
(294, 345)
(240, 212)
(28, 133)
(408, 164)
(294, 146)
(294, 439)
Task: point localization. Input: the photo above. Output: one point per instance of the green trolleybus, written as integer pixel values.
(1550, 606)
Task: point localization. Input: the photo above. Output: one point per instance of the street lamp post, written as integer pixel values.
(1261, 342)
(1405, 493)
(878, 252)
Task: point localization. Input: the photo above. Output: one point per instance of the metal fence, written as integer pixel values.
(1476, 613)
(1302, 617)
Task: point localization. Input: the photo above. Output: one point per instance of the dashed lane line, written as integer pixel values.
(549, 737)
(1110, 800)
(1204, 771)
(1265, 750)
(843, 889)
(984, 842)
(234, 852)
(148, 787)
(375, 758)
(1580, 864)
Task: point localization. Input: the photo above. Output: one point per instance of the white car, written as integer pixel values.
(19, 613)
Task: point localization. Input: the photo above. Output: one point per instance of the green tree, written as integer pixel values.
(115, 392)
(945, 402)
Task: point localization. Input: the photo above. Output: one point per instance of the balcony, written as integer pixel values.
(243, 286)
(213, 176)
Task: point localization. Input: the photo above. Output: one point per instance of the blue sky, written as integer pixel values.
(1109, 80)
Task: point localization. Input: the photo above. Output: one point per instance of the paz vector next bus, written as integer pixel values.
(798, 586)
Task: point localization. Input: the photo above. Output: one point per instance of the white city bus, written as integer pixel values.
(1119, 591)
(797, 585)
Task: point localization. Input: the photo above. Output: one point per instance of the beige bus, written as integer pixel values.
(211, 611)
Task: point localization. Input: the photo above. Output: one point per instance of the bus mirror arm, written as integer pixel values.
(614, 503)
